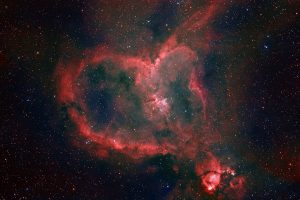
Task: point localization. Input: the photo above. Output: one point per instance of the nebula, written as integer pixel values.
(153, 103)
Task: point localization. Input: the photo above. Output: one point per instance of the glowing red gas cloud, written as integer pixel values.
(153, 75)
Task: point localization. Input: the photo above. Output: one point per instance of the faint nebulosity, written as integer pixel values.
(149, 99)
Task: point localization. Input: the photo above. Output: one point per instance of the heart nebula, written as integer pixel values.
(150, 104)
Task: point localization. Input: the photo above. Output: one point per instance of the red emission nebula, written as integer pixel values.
(153, 103)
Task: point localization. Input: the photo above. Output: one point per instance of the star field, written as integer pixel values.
(148, 99)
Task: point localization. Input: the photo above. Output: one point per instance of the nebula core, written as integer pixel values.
(153, 103)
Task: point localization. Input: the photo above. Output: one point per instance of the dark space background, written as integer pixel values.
(37, 160)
